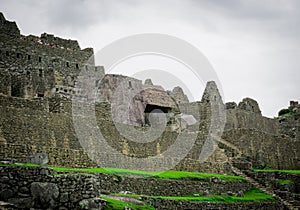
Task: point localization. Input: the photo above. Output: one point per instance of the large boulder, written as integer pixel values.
(92, 203)
(44, 194)
(39, 158)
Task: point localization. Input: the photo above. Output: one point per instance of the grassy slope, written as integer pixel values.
(144, 174)
(159, 175)
(116, 204)
(277, 170)
(252, 195)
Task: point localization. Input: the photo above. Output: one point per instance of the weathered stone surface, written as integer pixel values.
(129, 98)
(39, 158)
(44, 194)
(250, 105)
(64, 197)
(148, 82)
(156, 95)
(6, 206)
(92, 203)
(178, 95)
(5, 193)
(24, 190)
(8, 27)
(211, 94)
(25, 203)
(38, 66)
(231, 105)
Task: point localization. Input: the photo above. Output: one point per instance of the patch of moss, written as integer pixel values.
(285, 182)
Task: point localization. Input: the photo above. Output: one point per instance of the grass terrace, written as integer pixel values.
(142, 174)
(253, 195)
(277, 170)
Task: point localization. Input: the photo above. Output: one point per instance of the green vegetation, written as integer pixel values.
(20, 164)
(116, 204)
(285, 182)
(277, 170)
(253, 195)
(143, 174)
(158, 175)
(196, 175)
(285, 112)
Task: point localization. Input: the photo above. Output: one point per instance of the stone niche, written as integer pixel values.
(132, 101)
(156, 110)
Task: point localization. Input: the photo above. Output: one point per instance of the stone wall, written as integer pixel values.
(34, 187)
(264, 141)
(8, 28)
(46, 125)
(166, 204)
(286, 185)
(32, 66)
(46, 67)
(129, 98)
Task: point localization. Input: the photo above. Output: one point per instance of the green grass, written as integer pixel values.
(253, 195)
(285, 182)
(143, 174)
(196, 175)
(277, 170)
(20, 164)
(158, 175)
(116, 204)
(80, 170)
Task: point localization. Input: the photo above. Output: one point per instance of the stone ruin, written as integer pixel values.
(39, 77)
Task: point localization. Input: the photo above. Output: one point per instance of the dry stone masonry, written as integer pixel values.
(39, 77)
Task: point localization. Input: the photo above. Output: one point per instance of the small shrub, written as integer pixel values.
(285, 112)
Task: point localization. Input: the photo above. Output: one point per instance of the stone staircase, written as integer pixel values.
(255, 183)
(263, 188)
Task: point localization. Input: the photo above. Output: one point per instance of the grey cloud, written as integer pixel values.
(80, 14)
(258, 10)
(279, 18)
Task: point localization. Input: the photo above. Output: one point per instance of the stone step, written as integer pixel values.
(263, 188)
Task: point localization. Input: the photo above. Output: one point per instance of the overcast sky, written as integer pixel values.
(254, 46)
